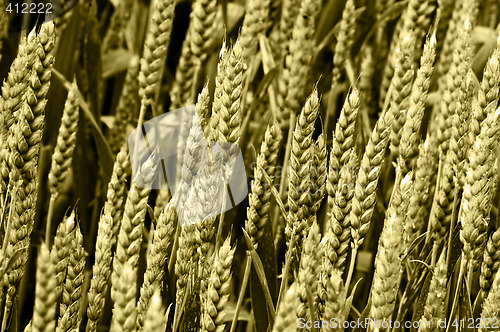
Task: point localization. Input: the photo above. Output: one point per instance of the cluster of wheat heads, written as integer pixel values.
(369, 132)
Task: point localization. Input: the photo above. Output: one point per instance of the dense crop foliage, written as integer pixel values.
(369, 133)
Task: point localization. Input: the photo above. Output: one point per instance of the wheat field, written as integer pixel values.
(328, 165)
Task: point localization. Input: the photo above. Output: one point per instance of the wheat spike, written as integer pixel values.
(461, 9)
(343, 139)
(319, 172)
(66, 141)
(107, 235)
(345, 39)
(491, 261)
(475, 205)
(308, 270)
(260, 194)
(363, 201)
(155, 321)
(69, 314)
(488, 91)
(185, 262)
(418, 208)
(434, 305)
(61, 250)
(451, 85)
(13, 90)
(334, 305)
(101, 272)
(388, 266)
(340, 208)
(45, 296)
(217, 103)
(157, 256)
(298, 61)
(124, 308)
(155, 50)
(300, 181)
(202, 27)
(286, 317)
(117, 190)
(218, 290)
(490, 311)
(230, 113)
(289, 12)
(130, 236)
(115, 34)
(401, 85)
(408, 148)
(414, 22)
(255, 23)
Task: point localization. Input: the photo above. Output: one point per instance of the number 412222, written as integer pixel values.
(29, 8)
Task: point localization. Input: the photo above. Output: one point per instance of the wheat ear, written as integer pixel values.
(61, 250)
(107, 234)
(308, 270)
(408, 148)
(300, 56)
(490, 311)
(44, 310)
(182, 87)
(255, 23)
(345, 39)
(155, 50)
(131, 230)
(363, 202)
(117, 191)
(156, 258)
(388, 266)
(286, 317)
(202, 27)
(451, 85)
(66, 141)
(488, 91)
(334, 305)
(339, 225)
(73, 287)
(260, 195)
(300, 164)
(343, 139)
(491, 261)
(124, 308)
(13, 90)
(212, 318)
(155, 316)
(434, 305)
(475, 205)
